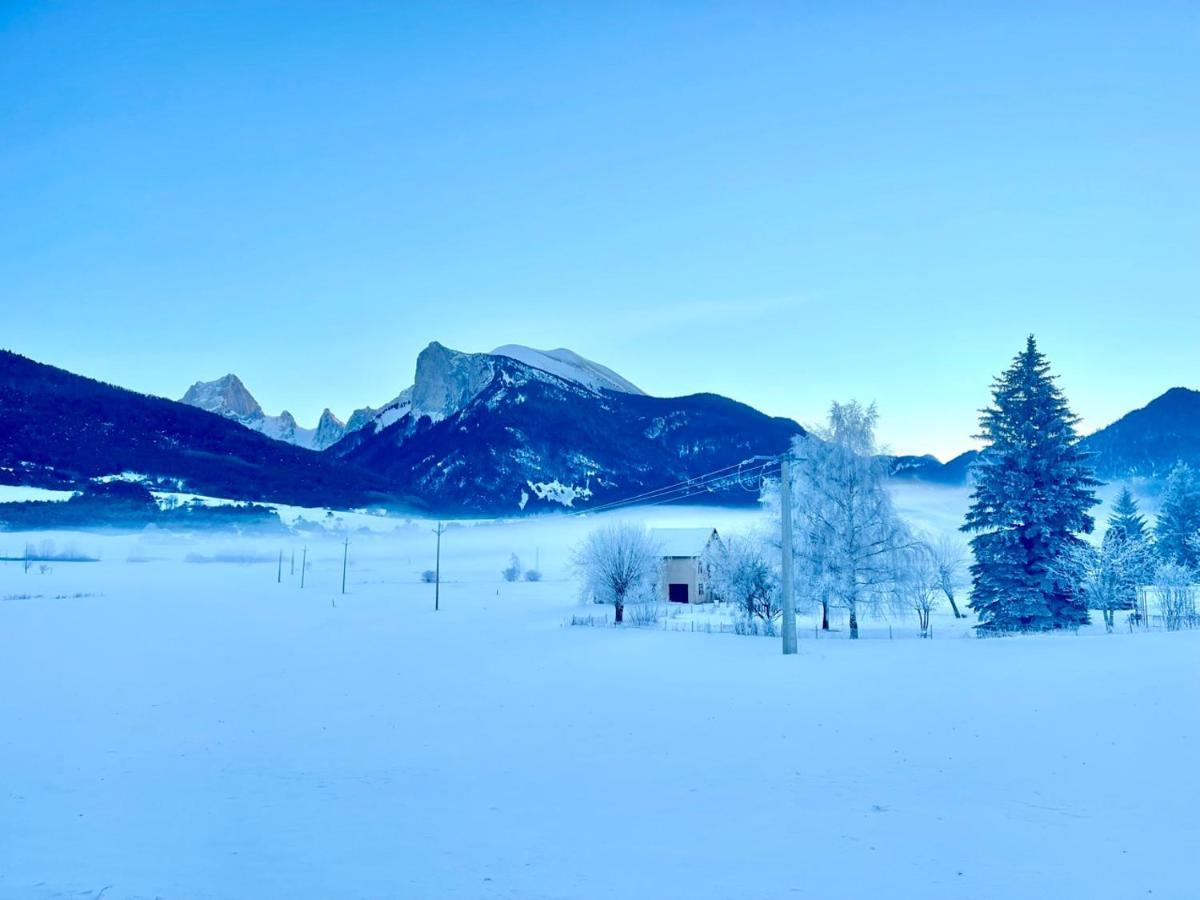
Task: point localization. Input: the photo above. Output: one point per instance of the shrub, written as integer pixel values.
(513, 572)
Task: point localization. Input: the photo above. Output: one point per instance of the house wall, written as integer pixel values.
(682, 570)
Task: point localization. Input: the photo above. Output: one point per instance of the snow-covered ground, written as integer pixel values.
(177, 724)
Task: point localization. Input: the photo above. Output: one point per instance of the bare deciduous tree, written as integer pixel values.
(918, 582)
(1110, 576)
(1174, 585)
(950, 558)
(618, 564)
(513, 571)
(848, 534)
(743, 573)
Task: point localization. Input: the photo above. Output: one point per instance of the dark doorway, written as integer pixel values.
(677, 593)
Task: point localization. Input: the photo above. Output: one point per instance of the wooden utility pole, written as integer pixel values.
(292, 570)
(437, 569)
(345, 555)
(279, 571)
(303, 564)
(785, 515)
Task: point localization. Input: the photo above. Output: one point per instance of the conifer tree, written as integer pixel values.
(1033, 489)
(1179, 518)
(1126, 516)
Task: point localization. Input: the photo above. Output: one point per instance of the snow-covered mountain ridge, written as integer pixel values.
(488, 433)
(570, 366)
(445, 381)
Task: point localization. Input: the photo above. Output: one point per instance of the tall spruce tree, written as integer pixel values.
(1178, 524)
(1033, 489)
(1126, 516)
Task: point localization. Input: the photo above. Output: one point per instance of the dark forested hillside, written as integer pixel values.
(1150, 440)
(58, 429)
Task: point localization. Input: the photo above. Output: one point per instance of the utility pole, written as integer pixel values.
(292, 570)
(303, 564)
(785, 515)
(279, 571)
(437, 570)
(345, 554)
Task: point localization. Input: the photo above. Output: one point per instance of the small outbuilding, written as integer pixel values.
(685, 568)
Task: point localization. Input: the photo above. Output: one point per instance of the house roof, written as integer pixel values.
(687, 542)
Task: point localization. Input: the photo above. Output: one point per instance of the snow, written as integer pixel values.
(393, 411)
(682, 542)
(16, 493)
(569, 366)
(557, 492)
(196, 731)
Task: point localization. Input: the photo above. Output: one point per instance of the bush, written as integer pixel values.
(513, 572)
(429, 576)
(643, 614)
(533, 575)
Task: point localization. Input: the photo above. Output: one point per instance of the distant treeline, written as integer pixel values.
(123, 505)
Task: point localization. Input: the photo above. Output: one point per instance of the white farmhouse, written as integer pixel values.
(684, 569)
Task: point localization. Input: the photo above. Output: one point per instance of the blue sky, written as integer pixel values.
(787, 204)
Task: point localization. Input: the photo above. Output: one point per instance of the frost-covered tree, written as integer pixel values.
(743, 572)
(513, 570)
(1110, 575)
(1174, 585)
(847, 532)
(1033, 488)
(1179, 517)
(618, 564)
(918, 587)
(950, 559)
(1127, 516)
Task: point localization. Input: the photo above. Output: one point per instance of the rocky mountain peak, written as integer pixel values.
(446, 380)
(226, 396)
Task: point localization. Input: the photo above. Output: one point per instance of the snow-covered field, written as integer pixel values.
(177, 724)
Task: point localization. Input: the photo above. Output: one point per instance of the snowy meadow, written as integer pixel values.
(184, 720)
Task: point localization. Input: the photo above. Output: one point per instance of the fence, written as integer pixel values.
(673, 621)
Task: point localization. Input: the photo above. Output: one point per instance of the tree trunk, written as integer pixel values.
(620, 617)
(853, 625)
(1108, 620)
(954, 606)
(824, 615)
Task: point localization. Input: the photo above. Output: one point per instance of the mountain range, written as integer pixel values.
(227, 396)
(514, 430)
(1144, 443)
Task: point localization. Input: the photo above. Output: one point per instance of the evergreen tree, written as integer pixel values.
(1179, 518)
(1033, 489)
(1126, 516)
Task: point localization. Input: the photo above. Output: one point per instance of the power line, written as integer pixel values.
(668, 487)
(651, 495)
(682, 490)
(666, 495)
